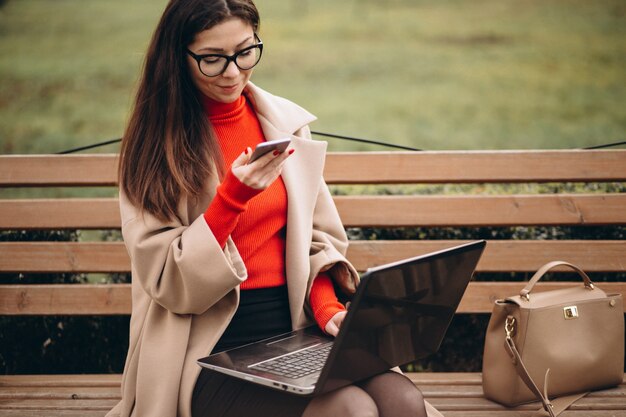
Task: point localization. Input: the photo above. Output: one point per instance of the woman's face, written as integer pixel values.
(226, 38)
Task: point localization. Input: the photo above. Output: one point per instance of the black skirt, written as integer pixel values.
(262, 313)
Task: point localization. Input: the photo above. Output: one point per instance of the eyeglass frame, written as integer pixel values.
(229, 58)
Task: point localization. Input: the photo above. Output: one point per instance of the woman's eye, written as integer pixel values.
(210, 60)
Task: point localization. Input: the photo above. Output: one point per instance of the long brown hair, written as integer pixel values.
(169, 147)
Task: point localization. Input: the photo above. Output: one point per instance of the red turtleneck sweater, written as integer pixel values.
(256, 219)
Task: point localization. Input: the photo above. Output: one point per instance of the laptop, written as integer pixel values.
(399, 314)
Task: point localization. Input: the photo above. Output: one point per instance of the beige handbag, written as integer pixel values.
(553, 343)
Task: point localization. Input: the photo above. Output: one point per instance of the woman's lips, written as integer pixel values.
(228, 88)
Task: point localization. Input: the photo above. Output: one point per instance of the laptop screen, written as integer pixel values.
(403, 312)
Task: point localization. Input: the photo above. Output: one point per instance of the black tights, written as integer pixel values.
(385, 395)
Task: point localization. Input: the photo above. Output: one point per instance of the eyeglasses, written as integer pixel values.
(213, 65)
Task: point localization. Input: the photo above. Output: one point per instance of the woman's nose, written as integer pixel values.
(231, 70)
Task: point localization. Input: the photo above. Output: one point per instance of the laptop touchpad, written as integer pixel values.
(294, 342)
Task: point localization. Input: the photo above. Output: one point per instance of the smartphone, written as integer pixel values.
(273, 145)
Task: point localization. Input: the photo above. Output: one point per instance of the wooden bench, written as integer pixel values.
(439, 190)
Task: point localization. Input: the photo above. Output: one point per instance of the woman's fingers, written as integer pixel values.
(261, 173)
(333, 325)
(242, 159)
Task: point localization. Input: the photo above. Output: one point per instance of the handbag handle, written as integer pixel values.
(525, 293)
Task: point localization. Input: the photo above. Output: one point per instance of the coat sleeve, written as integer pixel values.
(181, 267)
(329, 244)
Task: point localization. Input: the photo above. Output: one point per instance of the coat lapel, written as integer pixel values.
(302, 175)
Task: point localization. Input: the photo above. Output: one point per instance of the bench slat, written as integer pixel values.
(48, 405)
(115, 299)
(67, 393)
(60, 299)
(86, 213)
(42, 257)
(481, 403)
(57, 413)
(452, 393)
(74, 380)
(475, 167)
(428, 211)
(442, 404)
(499, 256)
(360, 167)
(529, 413)
(58, 170)
(514, 210)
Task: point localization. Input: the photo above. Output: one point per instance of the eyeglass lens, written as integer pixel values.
(244, 59)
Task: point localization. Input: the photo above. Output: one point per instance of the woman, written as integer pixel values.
(224, 251)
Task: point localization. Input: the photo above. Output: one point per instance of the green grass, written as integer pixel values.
(483, 74)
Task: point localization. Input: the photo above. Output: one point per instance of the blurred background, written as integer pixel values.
(431, 74)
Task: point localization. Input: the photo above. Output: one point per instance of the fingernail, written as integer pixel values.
(291, 151)
(276, 153)
(246, 151)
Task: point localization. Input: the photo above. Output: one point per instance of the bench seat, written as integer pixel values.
(454, 394)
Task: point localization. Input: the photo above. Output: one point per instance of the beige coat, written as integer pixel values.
(185, 288)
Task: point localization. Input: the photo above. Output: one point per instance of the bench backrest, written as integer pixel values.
(410, 173)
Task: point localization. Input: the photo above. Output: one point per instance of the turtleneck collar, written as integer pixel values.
(218, 111)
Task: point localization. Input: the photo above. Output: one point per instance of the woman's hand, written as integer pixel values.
(333, 325)
(261, 173)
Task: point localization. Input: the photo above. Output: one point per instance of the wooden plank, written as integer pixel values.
(499, 256)
(530, 413)
(71, 380)
(60, 299)
(463, 413)
(476, 391)
(360, 167)
(441, 378)
(427, 211)
(115, 299)
(469, 384)
(55, 413)
(442, 404)
(449, 378)
(453, 409)
(52, 405)
(114, 380)
(47, 257)
(470, 403)
(58, 170)
(75, 213)
(514, 210)
(475, 166)
(67, 393)
(457, 394)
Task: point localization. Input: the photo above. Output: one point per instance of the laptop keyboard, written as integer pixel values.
(298, 364)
